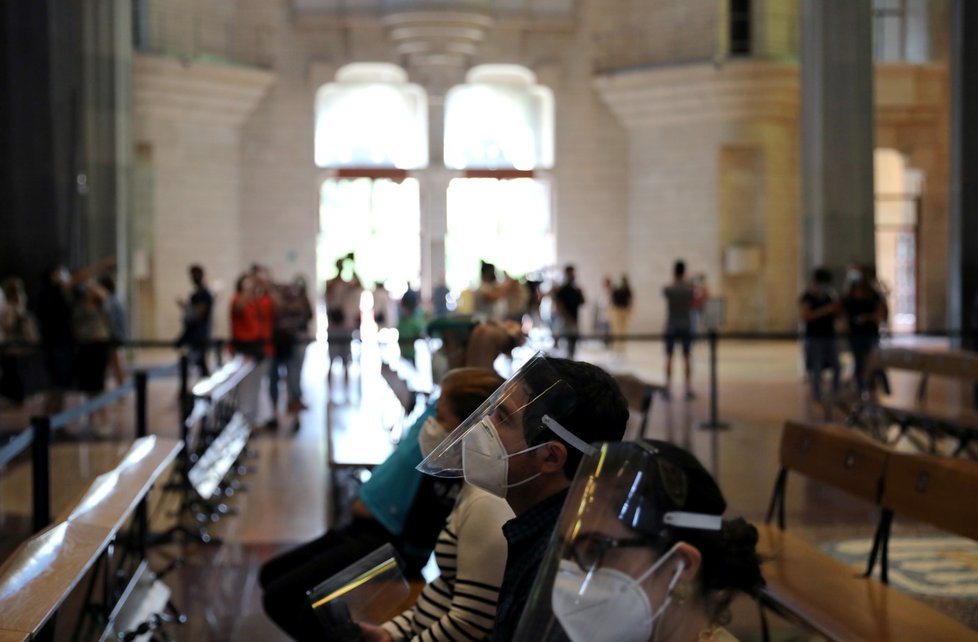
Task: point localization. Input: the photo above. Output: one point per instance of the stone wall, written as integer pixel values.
(653, 162)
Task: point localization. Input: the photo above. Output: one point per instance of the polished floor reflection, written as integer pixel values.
(288, 497)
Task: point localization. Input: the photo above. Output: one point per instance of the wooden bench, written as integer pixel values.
(45, 569)
(640, 396)
(939, 491)
(935, 422)
(215, 436)
(806, 585)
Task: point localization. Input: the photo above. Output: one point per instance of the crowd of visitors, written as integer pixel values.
(66, 340)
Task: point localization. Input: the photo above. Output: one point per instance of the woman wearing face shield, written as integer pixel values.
(471, 552)
(642, 553)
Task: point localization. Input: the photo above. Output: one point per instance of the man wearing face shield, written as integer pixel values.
(642, 553)
(524, 444)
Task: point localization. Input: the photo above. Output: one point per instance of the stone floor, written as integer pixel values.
(289, 495)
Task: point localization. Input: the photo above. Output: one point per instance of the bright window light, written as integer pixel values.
(499, 119)
(505, 222)
(371, 117)
(379, 220)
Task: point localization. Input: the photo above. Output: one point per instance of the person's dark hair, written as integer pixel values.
(466, 389)
(239, 284)
(107, 282)
(822, 275)
(599, 412)
(487, 271)
(730, 561)
(679, 268)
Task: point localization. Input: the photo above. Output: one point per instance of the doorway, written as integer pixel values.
(897, 216)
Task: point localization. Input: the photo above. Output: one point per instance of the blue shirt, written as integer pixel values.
(390, 491)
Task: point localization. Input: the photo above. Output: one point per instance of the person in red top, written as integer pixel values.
(251, 336)
(252, 315)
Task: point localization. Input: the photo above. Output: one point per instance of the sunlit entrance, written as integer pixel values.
(505, 222)
(898, 190)
(379, 221)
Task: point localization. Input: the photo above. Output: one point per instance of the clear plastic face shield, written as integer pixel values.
(612, 563)
(521, 416)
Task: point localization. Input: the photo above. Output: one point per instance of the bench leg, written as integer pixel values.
(765, 626)
(777, 498)
(880, 546)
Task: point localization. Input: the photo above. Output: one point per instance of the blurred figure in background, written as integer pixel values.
(290, 335)
(568, 299)
(118, 332)
(865, 310)
(54, 316)
(92, 333)
(383, 306)
(19, 333)
(197, 320)
(516, 299)
(342, 295)
(700, 294)
(620, 312)
(819, 308)
(679, 325)
(410, 324)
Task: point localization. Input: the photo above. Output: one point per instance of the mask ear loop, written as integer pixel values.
(672, 584)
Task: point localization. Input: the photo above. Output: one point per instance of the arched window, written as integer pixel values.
(499, 119)
(371, 117)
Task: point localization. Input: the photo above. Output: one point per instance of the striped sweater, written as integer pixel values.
(460, 605)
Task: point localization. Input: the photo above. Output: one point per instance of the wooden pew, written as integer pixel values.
(936, 423)
(44, 570)
(939, 491)
(806, 585)
(640, 396)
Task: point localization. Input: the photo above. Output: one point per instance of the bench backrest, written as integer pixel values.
(938, 490)
(224, 380)
(639, 394)
(835, 455)
(956, 364)
(903, 359)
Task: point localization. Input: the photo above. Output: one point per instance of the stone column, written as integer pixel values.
(837, 134)
(963, 241)
(106, 106)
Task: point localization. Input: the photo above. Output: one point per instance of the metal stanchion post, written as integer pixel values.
(184, 387)
(714, 314)
(140, 380)
(714, 422)
(142, 429)
(41, 472)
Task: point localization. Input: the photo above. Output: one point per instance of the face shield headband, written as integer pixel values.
(514, 417)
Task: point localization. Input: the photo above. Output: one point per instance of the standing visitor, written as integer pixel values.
(819, 308)
(679, 325)
(197, 316)
(620, 312)
(568, 300)
(118, 332)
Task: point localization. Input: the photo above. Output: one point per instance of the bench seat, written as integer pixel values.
(833, 598)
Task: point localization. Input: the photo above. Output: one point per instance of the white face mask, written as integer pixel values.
(431, 434)
(485, 462)
(584, 603)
